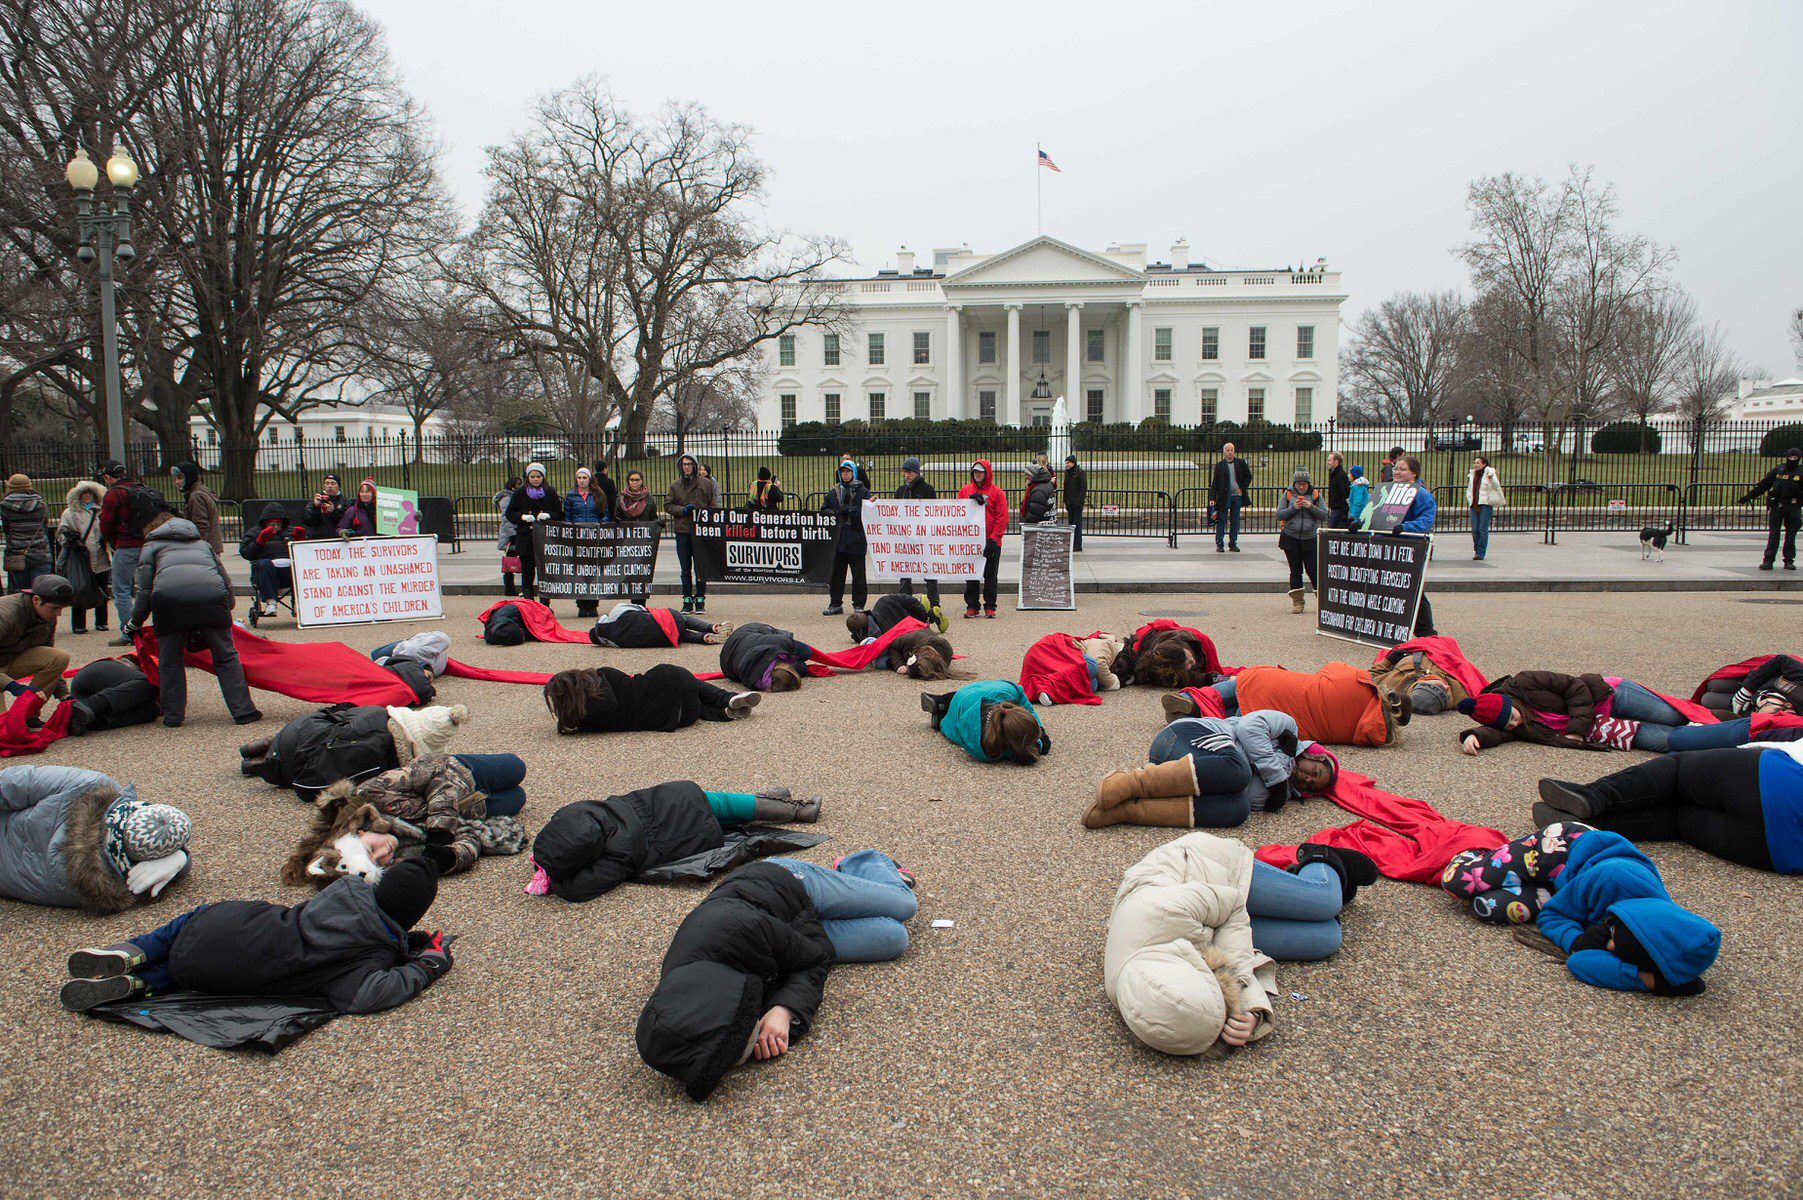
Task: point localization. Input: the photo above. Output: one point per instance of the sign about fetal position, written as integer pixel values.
(338, 582)
(596, 562)
(924, 539)
(1370, 585)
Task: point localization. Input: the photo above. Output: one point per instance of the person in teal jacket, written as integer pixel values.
(1359, 500)
(992, 719)
(1619, 926)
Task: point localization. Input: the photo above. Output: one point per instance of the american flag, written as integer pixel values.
(1045, 160)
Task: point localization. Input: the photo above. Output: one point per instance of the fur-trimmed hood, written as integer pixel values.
(84, 851)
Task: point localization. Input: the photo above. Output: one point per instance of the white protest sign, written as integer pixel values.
(924, 539)
(340, 582)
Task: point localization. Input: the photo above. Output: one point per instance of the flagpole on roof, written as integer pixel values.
(1038, 188)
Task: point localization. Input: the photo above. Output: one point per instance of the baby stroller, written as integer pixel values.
(265, 548)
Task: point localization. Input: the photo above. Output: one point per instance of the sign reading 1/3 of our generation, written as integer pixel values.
(359, 580)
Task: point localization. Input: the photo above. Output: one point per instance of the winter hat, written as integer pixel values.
(1794, 452)
(407, 890)
(1071, 459)
(584, 473)
(1490, 709)
(18, 483)
(52, 589)
(370, 480)
(1320, 753)
(190, 473)
(334, 478)
(535, 466)
(1433, 685)
(910, 463)
(1301, 476)
(1357, 472)
(419, 731)
(153, 831)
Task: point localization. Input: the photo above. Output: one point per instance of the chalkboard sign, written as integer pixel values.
(1045, 568)
(1370, 585)
(1392, 506)
(596, 562)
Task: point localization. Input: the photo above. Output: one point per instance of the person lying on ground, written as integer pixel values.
(1512, 883)
(110, 693)
(1339, 705)
(1574, 712)
(1431, 690)
(919, 654)
(1168, 658)
(629, 626)
(1212, 772)
(765, 658)
(71, 838)
(349, 944)
(662, 700)
(1197, 926)
(991, 719)
(348, 741)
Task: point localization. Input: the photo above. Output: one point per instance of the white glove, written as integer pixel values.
(154, 876)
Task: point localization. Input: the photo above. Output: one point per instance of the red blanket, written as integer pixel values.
(1736, 671)
(318, 672)
(1208, 644)
(1054, 667)
(17, 738)
(1447, 655)
(540, 621)
(1409, 839)
(461, 670)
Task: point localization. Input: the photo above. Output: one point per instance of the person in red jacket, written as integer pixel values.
(126, 539)
(982, 488)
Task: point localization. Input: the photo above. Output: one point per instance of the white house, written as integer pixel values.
(1767, 400)
(1003, 335)
(364, 425)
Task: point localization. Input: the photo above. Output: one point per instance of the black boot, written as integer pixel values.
(1356, 869)
(81, 718)
(257, 749)
(1645, 785)
(1562, 801)
(779, 804)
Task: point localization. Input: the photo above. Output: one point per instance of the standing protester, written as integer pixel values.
(323, 511)
(846, 504)
(610, 491)
(994, 503)
(531, 505)
(1040, 503)
(183, 591)
(1227, 495)
(633, 503)
(26, 519)
(1486, 497)
(1339, 492)
(1784, 507)
(766, 492)
(29, 659)
(1423, 511)
(1360, 499)
(690, 491)
(127, 509)
(359, 519)
(583, 505)
(504, 537)
(78, 532)
(1300, 516)
(1076, 491)
(1388, 474)
(914, 486)
(200, 506)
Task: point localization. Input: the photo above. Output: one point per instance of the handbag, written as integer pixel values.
(510, 564)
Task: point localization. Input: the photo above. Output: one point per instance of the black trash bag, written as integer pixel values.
(73, 564)
(743, 843)
(261, 1023)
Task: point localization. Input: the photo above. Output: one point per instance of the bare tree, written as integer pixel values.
(1706, 376)
(1496, 381)
(604, 234)
(1796, 334)
(1649, 347)
(1400, 365)
(425, 350)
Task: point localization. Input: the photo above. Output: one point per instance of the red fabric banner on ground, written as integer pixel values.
(1208, 644)
(1054, 667)
(17, 737)
(462, 670)
(1448, 656)
(1409, 839)
(1736, 671)
(318, 672)
(540, 621)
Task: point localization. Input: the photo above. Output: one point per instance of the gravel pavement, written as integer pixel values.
(1432, 1057)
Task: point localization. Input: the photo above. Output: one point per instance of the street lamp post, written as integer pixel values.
(105, 227)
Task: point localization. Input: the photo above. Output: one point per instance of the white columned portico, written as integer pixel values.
(1013, 415)
(954, 361)
(1133, 362)
(1073, 356)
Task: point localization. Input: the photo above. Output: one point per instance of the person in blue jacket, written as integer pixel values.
(583, 505)
(1611, 915)
(1359, 500)
(992, 720)
(1423, 511)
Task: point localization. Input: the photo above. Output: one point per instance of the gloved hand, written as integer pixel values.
(421, 940)
(434, 955)
(154, 875)
(980, 498)
(441, 856)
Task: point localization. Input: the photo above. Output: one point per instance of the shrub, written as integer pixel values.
(1625, 437)
(1777, 441)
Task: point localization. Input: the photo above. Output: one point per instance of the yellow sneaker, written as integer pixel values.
(939, 619)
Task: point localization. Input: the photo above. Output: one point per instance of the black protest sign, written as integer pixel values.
(1392, 506)
(596, 562)
(1045, 568)
(1370, 585)
(764, 547)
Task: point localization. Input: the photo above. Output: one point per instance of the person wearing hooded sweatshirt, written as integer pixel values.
(1300, 515)
(78, 532)
(914, 486)
(534, 503)
(747, 968)
(1784, 508)
(266, 548)
(71, 838)
(994, 504)
(1197, 927)
(1212, 772)
(200, 505)
(765, 658)
(1358, 499)
(359, 516)
(766, 492)
(690, 492)
(184, 592)
(1744, 803)
(1040, 503)
(991, 720)
(1076, 495)
(845, 504)
(26, 521)
(350, 944)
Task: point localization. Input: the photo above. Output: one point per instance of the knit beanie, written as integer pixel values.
(154, 831)
(17, 483)
(1301, 476)
(335, 479)
(536, 466)
(425, 730)
(764, 473)
(1490, 709)
(910, 463)
(407, 890)
(1357, 472)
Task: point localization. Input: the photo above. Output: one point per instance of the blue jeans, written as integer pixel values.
(1658, 719)
(125, 573)
(500, 776)
(268, 579)
(1295, 918)
(1737, 732)
(1222, 773)
(156, 946)
(692, 583)
(1226, 514)
(1481, 515)
(1095, 673)
(862, 904)
(18, 581)
(1230, 694)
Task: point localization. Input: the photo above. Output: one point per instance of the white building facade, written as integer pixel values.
(1002, 336)
(361, 428)
(1767, 400)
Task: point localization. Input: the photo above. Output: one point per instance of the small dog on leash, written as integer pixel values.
(1653, 541)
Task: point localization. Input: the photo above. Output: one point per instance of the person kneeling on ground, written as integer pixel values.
(350, 944)
(662, 700)
(629, 626)
(29, 658)
(182, 589)
(1338, 705)
(765, 658)
(1197, 925)
(1573, 712)
(1211, 772)
(348, 741)
(590, 847)
(71, 838)
(992, 720)
(747, 968)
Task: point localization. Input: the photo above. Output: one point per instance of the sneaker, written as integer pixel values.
(1234, 548)
(700, 605)
(742, 704)
(833, 610)
(938, 615)
(79, 995)
(722, 627)
(249, 718)
(122, 640)
(969, 613)
(990, 613)
(1045, 699)
(172, 722)
(1790, 566)
(269, 608)
(80, 718)
(1220, 549)
(1765, 566)
(688, 604)
(711, 639)
(105, 962)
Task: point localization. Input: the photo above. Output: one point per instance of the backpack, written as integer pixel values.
(141, 507)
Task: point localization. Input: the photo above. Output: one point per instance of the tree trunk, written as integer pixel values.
(419, 449)
(238, 458)
(632, 430)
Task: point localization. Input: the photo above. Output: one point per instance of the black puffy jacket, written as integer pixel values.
(632, 629)
(754, 943)
(662, 700)
(505, 627)
(345, 741)
(590, 847)
(846, 502)
(180, 584)
(891, 609)
(1041, 501)
(751, 649)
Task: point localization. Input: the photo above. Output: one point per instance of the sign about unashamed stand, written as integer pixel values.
(924, 539)
(1370, 585)
(764, 547)
(596, 562)
(1045, 568)
(340, 582)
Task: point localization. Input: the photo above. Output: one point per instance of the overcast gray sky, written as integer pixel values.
(1263, 133)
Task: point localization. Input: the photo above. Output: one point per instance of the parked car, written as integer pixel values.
(1574, 486)
(1459, 441)
(544, 452)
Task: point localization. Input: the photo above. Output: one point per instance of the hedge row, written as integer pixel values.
(914, 435)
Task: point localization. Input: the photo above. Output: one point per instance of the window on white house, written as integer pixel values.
(832, 408)
(923, 349)
(1161, 345)
(787, 400)
(878, 402)
(1255, 404)
(1211, 405)
(1211, 343)
(1255, 342)
(1092, 405)
(986, 346)
(1161, 403)
(986, 404)
(923, 405)
(339, 434)
(1042, 347)
(1305, 406)
(785, 350)
(1305, 341)
(876, 349)
(212, 436)
(829, 349)
(1096, 340)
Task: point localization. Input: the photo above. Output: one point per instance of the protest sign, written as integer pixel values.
(596, 562)
(397, 512)
(1392, 506)
(924, 539)
(340, 582)
(1370, 585)
(1045, 568)
(764, 547)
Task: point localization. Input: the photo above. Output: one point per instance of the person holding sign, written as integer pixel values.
(359, 519)
(583, 505)
(994, 503)
(845, 503)
(1419, 517)
(914, 486)
(533, 504)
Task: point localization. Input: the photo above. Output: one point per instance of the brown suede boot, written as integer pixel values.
(1174, 779)
(1170, 812)
(1297, 603)
(1177, 706)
